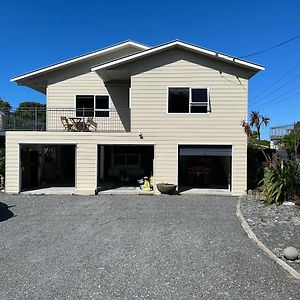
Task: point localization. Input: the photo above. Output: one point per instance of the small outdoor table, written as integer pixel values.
(75, 123)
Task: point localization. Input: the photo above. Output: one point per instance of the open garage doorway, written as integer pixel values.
(204, 167)
(125, 168)
(45, 166)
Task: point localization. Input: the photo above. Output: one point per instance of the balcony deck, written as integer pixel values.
(278, 132)
(65, 119)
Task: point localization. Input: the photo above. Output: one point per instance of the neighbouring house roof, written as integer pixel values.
(79, 59)
(203, 51)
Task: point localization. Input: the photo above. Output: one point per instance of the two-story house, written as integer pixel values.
(128, 111)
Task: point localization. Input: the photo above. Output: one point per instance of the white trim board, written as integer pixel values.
(95, 95)
(184, 45)
(190, 87)
(79, 58)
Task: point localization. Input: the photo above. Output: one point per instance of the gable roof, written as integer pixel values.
(177, 43)
(79, 58)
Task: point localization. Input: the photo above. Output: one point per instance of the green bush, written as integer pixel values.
(2, 161)
(281, 181)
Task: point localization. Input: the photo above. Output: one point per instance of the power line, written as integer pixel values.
(278, 101)
(277, 81)
(270, 103)
(285, 94)
(273, 47)
(274, 91)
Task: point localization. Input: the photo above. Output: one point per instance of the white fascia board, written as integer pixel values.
(177, 43)
(79, 58)
(132, 56)
(251, 65)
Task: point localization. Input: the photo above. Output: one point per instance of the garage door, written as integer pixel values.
(207, 167)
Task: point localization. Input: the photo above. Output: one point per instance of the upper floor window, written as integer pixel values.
(92, 106)
(188, 100)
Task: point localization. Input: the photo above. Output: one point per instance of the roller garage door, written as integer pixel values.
(201, 166)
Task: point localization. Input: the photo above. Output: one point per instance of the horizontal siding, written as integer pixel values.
(86, 167)
(63, 94)
(228, 96)
(12, 165)
(165, 164)
(78, 80)
(149, 84)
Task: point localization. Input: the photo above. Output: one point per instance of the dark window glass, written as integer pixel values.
(199, 101)
(85, 103)
(178, 100)
(199, 95)
(102, 102)
(198, 109)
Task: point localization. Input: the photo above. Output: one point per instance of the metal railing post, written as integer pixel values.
(14, 120)
(83, 119)
(35, 118)
(38, 118)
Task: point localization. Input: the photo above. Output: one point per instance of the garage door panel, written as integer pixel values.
(205, 151)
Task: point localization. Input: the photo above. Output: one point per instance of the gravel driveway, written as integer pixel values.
(133, 247)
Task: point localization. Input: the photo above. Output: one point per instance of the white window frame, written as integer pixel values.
(95, 109)
(190, 100)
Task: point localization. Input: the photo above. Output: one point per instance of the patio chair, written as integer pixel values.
(90, 123)
(67, 126)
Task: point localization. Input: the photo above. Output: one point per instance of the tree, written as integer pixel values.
(4, 104)
(30, 104)
(256, 122)
(256, 154)
(29, 115)
(291, 141)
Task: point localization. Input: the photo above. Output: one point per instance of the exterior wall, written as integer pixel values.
(86, 153)
(63, 86)
(62, 95)
(228, 96)
(149, 83)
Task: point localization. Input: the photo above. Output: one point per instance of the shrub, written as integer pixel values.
(281, 181)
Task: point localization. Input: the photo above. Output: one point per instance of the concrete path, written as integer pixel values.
(133, 247)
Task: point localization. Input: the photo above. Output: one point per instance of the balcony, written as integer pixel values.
(68, 120)
(278, 132)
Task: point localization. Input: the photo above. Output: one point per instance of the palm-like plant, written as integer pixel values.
(257, 120)
(281, 181)
(255, 161)
(253, 128)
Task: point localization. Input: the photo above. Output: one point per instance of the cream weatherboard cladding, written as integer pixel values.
(62, 94)
(228, 96)
(150, 80)
(79, 80)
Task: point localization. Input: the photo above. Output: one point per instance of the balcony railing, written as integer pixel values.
(280, 131)
(60, 119)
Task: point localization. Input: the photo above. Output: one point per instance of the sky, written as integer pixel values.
(34, 34)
